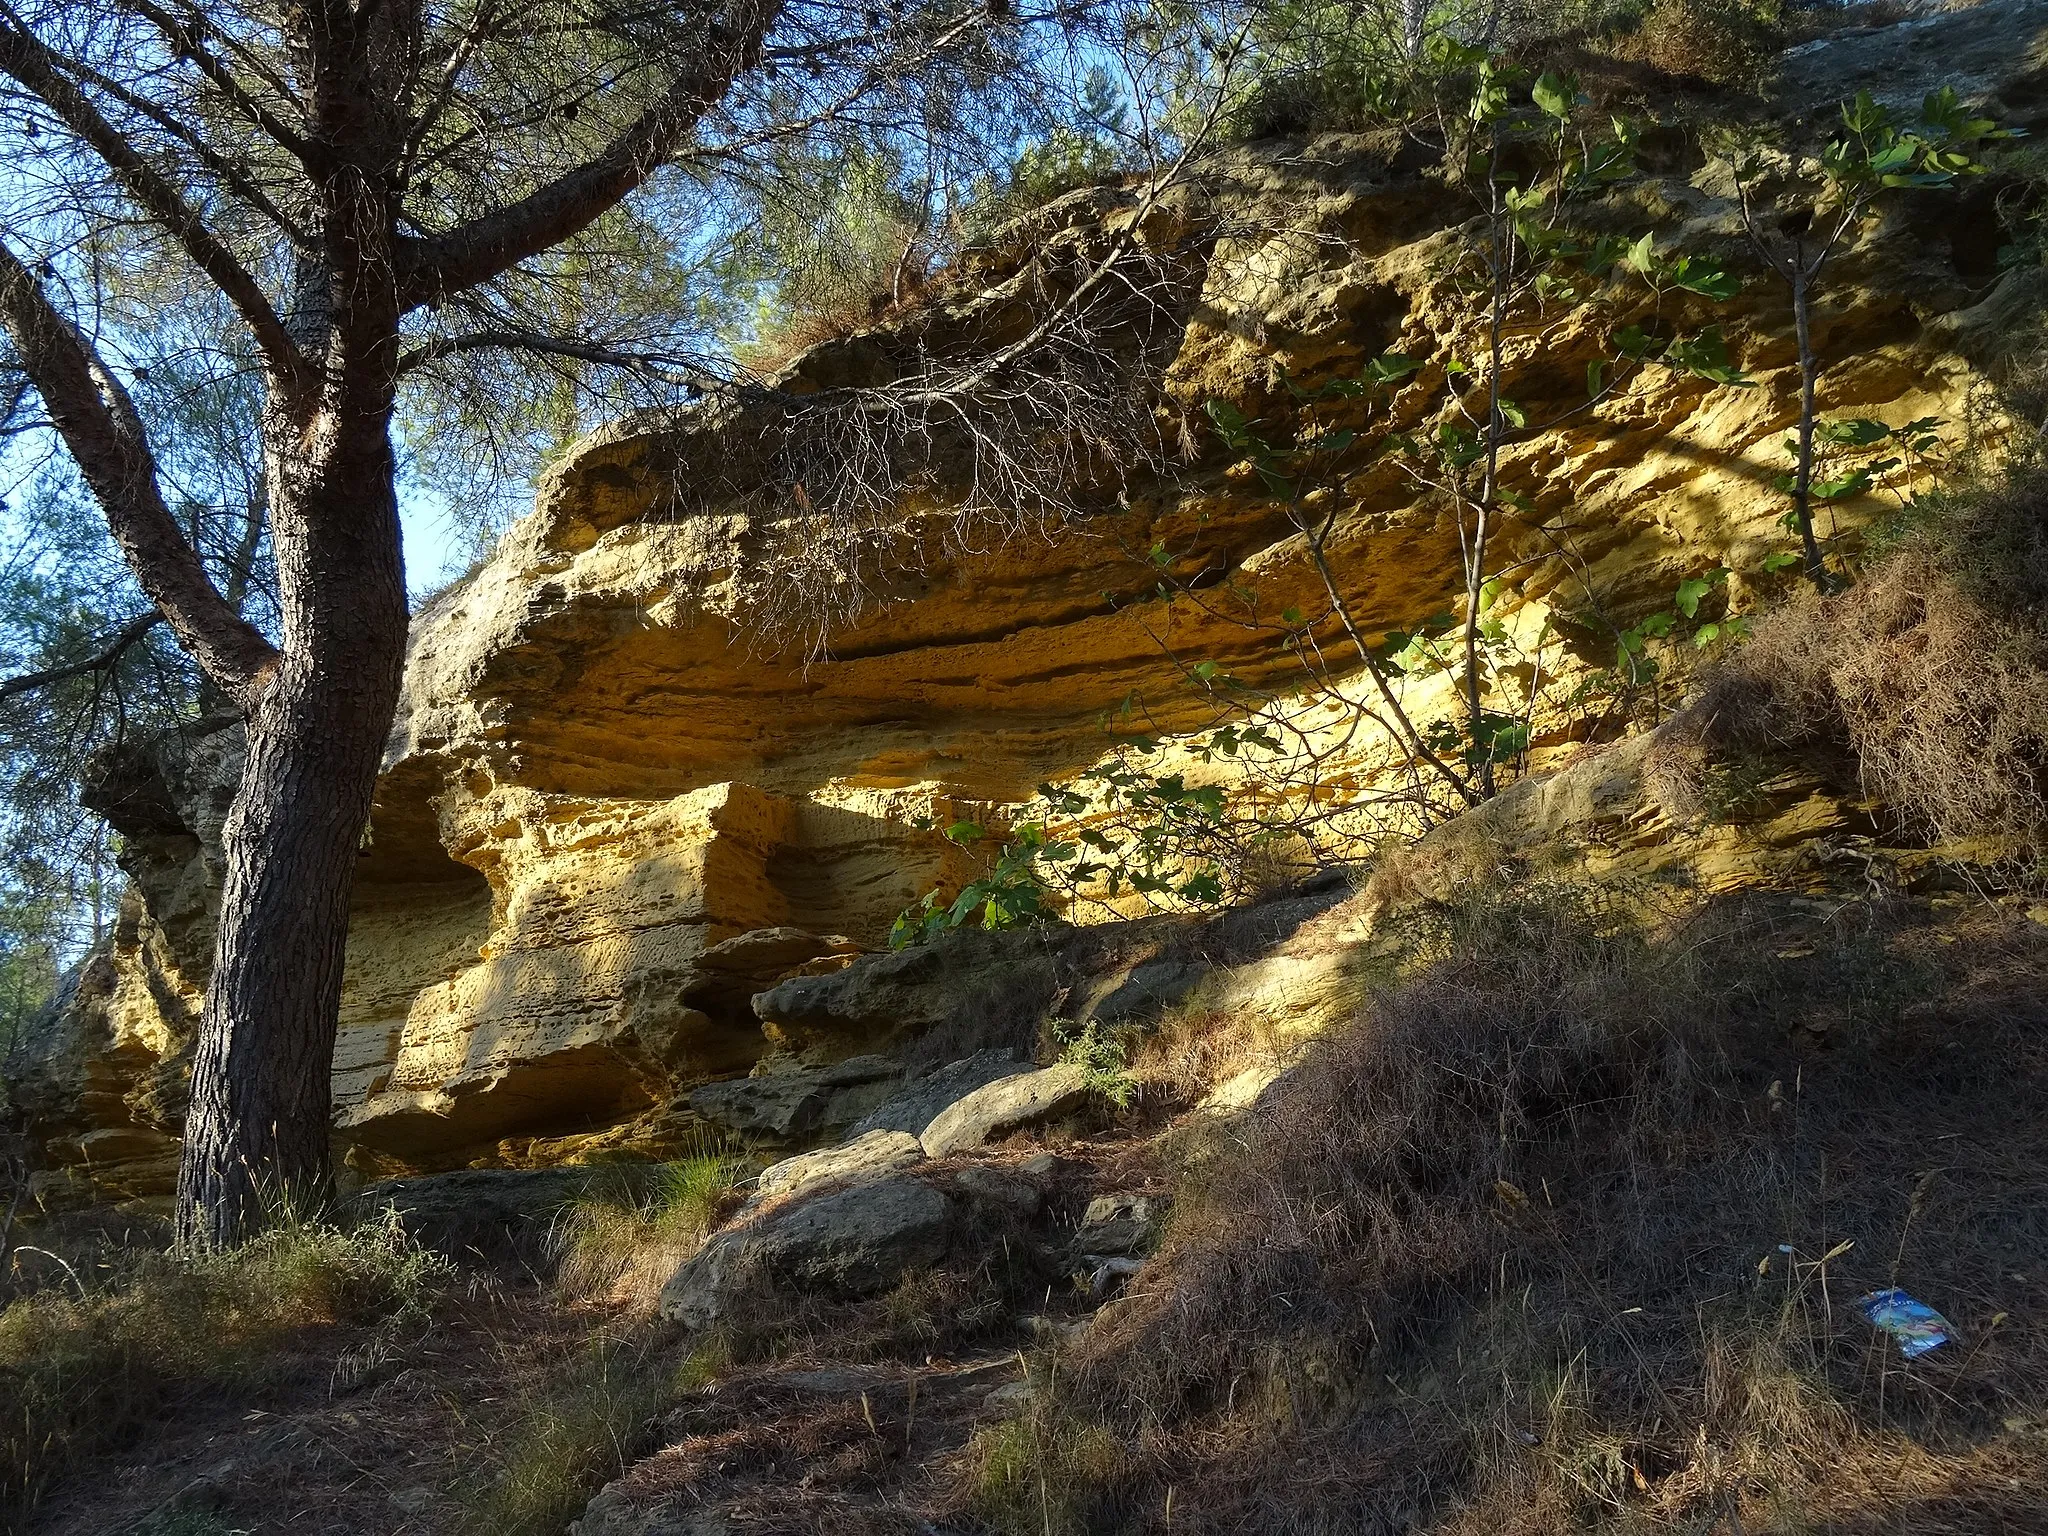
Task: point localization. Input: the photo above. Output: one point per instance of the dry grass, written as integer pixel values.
(1722, 42)
(622, 1245)
(594, 1418)
(1932, 670)
(85, 1370)
(1505, 1255)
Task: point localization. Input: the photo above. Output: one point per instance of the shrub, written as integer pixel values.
(1932, 671)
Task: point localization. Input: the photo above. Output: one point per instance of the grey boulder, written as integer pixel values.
(1007, 1105)
(850, 1242)
(1118, 1224)
(784, 1105)
(914, 1104)
(865, 1157)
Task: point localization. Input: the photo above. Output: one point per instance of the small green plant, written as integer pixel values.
(1874, 156)
(1038, 1474)
(1120, 829)
(1104, 1055)
(1854, 456)
(1014, 891)
(580, 1429)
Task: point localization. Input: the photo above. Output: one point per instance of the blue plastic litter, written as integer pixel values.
(1917, 1326)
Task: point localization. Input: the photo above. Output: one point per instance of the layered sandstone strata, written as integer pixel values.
(624, 794)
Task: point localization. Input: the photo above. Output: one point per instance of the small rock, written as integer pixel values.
(914, 1104)
(1047, 1165)
(993, 1186)
(1109, 1274)
(1119, 1224)
(1053, 1330)
(865, 1157)
(849, 1242)
(620, 1510)
(1012, 1397)
(415, 1500)
(1004, 1106)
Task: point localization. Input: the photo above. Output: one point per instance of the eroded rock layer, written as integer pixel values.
(624, 794)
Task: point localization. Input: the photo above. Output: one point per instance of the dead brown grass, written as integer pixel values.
(1563, 1233)
(1721, 42)
(622, 1243)
(95, 1368)
(1932, 670)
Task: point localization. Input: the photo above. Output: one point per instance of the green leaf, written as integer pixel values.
(965, 832)
(1779, 562)
(1276, 482)
(1226, 416)
(1596, 376)
(1841, 487)
(1693, 588)
(1706, 356)
(1704, 276)
(1391, 367)
(1555, 95)
(1512, 413)
(1856, 432)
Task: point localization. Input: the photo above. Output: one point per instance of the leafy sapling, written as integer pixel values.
(1529, 159)
(1874, 156)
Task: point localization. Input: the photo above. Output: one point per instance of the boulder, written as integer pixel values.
(918, 1101)
(851, 1242)
(861, 1159)
(1004, 1106)
(1118, 1225)
(494, 1213)
(785, 1105)
(969, 986)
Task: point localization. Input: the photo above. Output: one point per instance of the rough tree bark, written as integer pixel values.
(256, 1137)
(319, 704)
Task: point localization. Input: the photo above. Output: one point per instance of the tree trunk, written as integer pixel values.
(257, 1133)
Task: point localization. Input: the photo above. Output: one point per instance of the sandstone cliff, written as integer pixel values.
(623, 795)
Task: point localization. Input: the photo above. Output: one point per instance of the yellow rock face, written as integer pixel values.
(606, 762)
